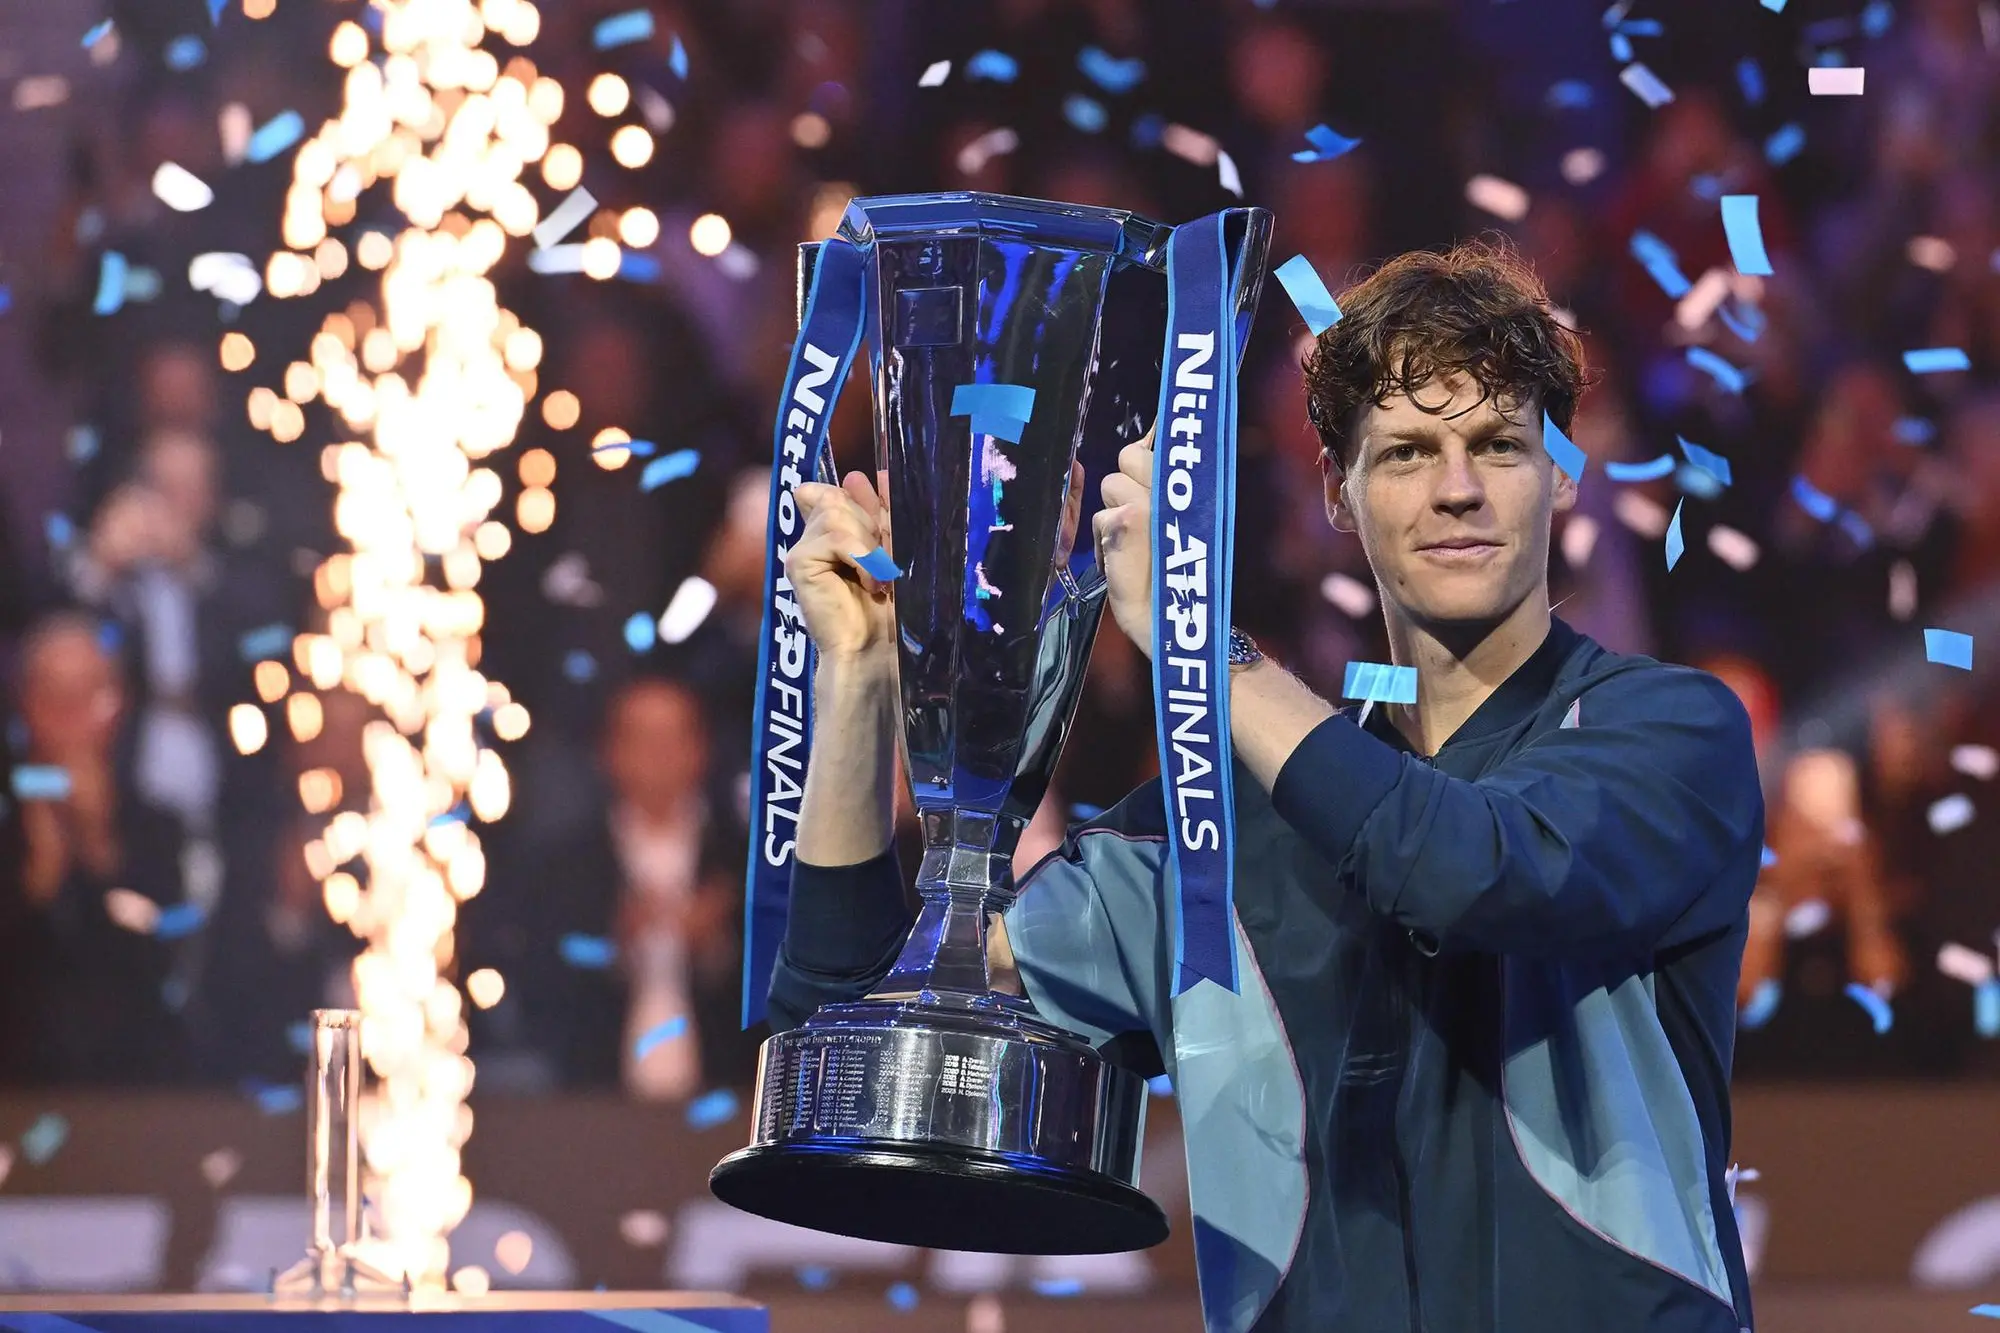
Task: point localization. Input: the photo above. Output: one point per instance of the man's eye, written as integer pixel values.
(1402, 453)
(1504, 446)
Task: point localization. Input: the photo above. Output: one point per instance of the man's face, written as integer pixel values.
(70, 696)
(1452, 507)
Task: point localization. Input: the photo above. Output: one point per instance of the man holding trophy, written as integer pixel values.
(1456, 1056)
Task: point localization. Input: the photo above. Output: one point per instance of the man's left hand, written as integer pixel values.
(1124, 535)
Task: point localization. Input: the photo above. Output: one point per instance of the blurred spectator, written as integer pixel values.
(82, 965)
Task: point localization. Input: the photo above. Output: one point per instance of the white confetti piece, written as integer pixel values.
(1931, 252)
(1640, 514)
(1646, 85)
(132, 911)
(1960, 963)
(1581, 166)
(1579, 539)
(1975, 761)
(180, 189)
(565, 218)
(1190, 145)
(1700, 303)
(1826, 81)
(643, 1227)
(226, 276)
(234, 125)
(1353, 597)
(1733, 548)
(513, 1251)
(1807, 919)
(556, 259)
(689, 607)
(974, 156)
(935, 74)
(220, 1167)
(1902, 590)
(1951, 813)
(1502, 198)
(38, 91)
(1226, 173)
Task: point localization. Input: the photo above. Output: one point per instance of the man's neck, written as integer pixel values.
(1456, 674)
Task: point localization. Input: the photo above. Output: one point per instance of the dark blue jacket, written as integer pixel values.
(1475, 1076)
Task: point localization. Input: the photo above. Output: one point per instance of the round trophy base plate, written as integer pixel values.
(939, 1197)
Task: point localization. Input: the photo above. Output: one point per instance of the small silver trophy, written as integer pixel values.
(332, 1264)
(935, 1111)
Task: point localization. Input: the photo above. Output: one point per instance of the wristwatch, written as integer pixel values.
(1243, 650)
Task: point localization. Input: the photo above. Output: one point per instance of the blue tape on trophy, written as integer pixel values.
(999, 410)
(1380, 682)
(878, 564)
(781, 721)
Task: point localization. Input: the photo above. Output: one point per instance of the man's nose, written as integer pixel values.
(1459, 488)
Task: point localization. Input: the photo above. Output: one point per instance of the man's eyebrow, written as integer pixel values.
(1414, 434)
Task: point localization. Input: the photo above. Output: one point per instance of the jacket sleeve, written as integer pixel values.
(1638, 829)
(843, 929)
(1089, 927)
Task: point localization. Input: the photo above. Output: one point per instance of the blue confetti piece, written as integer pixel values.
(1947, 647)
(43, 1139)
(1327, 144)
(1768, 859)
(995, 65)
(1562, 449)
(814, 1277)
(1750, 78)
(1058, 1287)
(1831, 59)
(1763, 1003)
(278, 1098)
(1084, 811)
(274, 136)
(1857, 529)
(1147, 130)
(1784, 144)
(879, 565)
(299, 1036)
(1570, 95)
(1987, 1311)
(659, 1035)
(110, 638)
(1108, 72)
(1827, 30)
(458, 814)
(59, 531)
(180, 921)
(640, 632)
(215, 8)
(185, 52)
(1915, 430)
(1875, 19)
(1749, 326)
(636, 448)
(97, 33)
(1650, 470)
(579, 666)
(1813, 500)
(41, 782)
(1621, 47)
(1986, 1008)
(110, 283)
(1084, 113)
(1641, 28)
(1380, 682)
(1724, 374)
(1775, 6)
(903, 1296)
(1646, 85)
(1658, 259)
(672, 467)
(1706, 186)
(1676, 544)
(265, 642)
(1714, 464)
(1931, 360)
(1746, 236)
(1315, 303)
(638, 266)
(677, 59)
(634, 25)
(1878, 1008)
(1160, 1085)
(711, 1109)
(590, 953)
(1697, 482)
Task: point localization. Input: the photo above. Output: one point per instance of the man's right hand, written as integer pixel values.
(850, 614)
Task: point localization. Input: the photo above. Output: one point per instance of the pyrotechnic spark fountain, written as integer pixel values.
(430, 379)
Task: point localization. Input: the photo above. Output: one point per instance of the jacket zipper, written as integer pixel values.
(1396, 1144)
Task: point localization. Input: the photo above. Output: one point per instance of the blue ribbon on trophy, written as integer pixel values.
(782, 741)
(1194, 519)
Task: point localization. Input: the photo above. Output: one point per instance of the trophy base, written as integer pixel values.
(956, 1123)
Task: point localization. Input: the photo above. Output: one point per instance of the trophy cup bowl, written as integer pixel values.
(936, 1111)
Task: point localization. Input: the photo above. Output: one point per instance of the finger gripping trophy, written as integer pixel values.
(1015, 345)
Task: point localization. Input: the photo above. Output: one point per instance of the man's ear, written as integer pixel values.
(1338, 514)
(1565, 492)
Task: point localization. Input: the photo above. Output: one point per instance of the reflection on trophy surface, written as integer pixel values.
(1015, 346)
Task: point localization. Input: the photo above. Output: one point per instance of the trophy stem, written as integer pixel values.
(946, 951)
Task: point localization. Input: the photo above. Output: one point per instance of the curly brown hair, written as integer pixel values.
(1477, 308)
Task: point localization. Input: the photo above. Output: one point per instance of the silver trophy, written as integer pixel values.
(935, 1111)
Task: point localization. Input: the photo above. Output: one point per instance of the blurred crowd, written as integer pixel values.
(161, 918)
